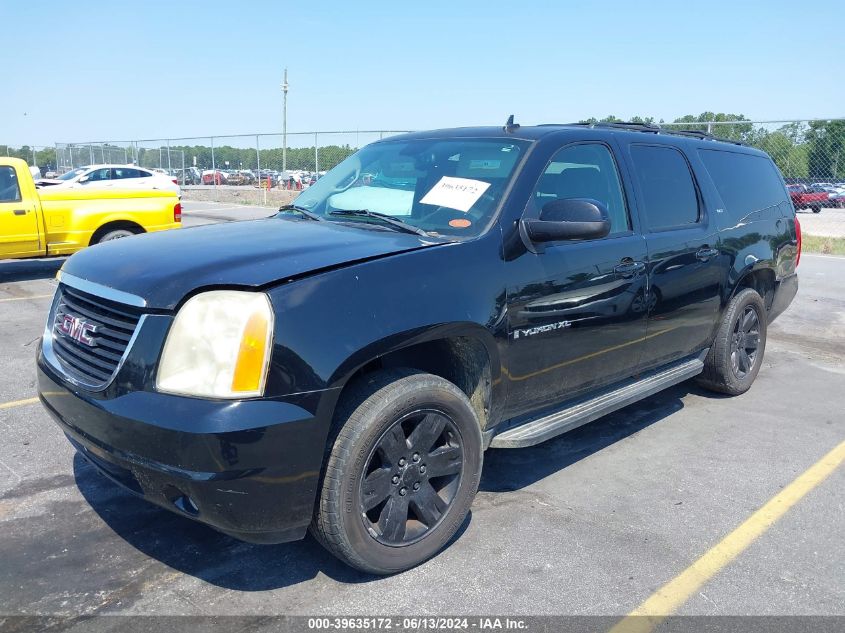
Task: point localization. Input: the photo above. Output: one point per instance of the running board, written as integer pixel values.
(573, 416)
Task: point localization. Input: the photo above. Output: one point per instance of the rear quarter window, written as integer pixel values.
(746, 183)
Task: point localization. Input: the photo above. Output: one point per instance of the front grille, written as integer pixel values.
(90, 335)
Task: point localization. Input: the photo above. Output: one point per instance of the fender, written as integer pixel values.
(330, 326)
(765, 243)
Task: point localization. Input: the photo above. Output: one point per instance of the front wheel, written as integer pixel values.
(736, 355)
(402, 472)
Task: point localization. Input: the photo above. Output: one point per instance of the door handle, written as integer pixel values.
(705, 254)
(628, 268)
(19, 211)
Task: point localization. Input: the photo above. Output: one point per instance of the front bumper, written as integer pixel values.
(247, 468)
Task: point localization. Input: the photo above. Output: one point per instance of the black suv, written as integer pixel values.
(344, 364)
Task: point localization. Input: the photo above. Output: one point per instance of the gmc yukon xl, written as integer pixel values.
(344, 364)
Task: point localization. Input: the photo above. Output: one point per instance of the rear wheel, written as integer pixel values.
(402, 471)
(736, 355)
(115, 235)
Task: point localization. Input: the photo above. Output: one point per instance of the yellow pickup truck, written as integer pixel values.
(54, 221)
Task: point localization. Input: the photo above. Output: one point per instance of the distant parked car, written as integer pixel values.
(242, 177)
(123, 176)
(214, 177)
(189, 176)
(804, 198)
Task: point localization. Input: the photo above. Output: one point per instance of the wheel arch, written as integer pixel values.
(759, 278)
(115, 225)
(465, 354)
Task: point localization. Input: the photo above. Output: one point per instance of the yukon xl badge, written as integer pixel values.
(78, 329)
(540, 329)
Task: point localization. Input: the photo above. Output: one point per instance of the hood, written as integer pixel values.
(163, 268)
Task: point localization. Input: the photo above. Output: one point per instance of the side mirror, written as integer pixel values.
(84, 179)
(568, 219)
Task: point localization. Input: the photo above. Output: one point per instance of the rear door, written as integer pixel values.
(127, 177)
(576, 310)
(19, 222)
(685, 267)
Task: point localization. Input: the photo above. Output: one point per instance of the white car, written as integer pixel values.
(123, 176)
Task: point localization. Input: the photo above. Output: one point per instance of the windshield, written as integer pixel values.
(73, 173)
(448, 187)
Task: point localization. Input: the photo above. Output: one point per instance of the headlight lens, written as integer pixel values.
(219, 346)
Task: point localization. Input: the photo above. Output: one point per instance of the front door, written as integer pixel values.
(577, 310)
(685, 268)
(19, 236)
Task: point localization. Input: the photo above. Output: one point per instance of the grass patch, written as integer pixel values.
(825, 245)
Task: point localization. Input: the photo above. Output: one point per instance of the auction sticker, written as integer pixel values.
(456, 193)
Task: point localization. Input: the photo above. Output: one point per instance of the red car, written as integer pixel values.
(803, 198)
(213, 177)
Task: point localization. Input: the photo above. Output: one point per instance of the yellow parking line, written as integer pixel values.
(673, 594)
(25, 298)
(17, 403)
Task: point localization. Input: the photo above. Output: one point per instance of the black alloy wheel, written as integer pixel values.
(411, 477)
(745, 342)
(403, 465)
(736, 352)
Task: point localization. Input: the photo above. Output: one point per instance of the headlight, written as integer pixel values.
(219, 346)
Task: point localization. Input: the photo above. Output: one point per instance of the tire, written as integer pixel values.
(726, 368)
(816, 209)
(115, 235)
(372, 479)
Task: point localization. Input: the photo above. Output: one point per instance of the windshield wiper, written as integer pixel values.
(304, 212)
(387, 219)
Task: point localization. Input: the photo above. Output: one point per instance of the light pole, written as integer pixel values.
(285, 122)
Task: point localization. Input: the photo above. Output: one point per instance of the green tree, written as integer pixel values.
(733, 126)
(826, 154)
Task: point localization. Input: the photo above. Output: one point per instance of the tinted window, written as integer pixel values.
(9, 189)
(584, 171)
(98, 174)
(128, 172)
(746, 183)
(666, 184)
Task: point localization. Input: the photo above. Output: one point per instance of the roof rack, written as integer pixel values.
(693, 133)
(651, 128)
(626, 125)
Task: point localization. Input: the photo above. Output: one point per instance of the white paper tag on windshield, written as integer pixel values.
(456, 193)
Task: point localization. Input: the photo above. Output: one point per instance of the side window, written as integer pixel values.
(10, 191)
(746, 183)
(667, 188)
(584, 171)
(126, 172)
(98, 175)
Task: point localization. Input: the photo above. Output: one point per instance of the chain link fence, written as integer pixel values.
(806, 152)
(259, 161)
(809, 153)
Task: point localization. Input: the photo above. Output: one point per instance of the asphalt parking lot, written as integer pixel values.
(592, 522)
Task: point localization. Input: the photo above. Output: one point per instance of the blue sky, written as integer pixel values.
(154, 69)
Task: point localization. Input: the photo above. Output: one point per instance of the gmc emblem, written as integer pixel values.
(78, 329)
